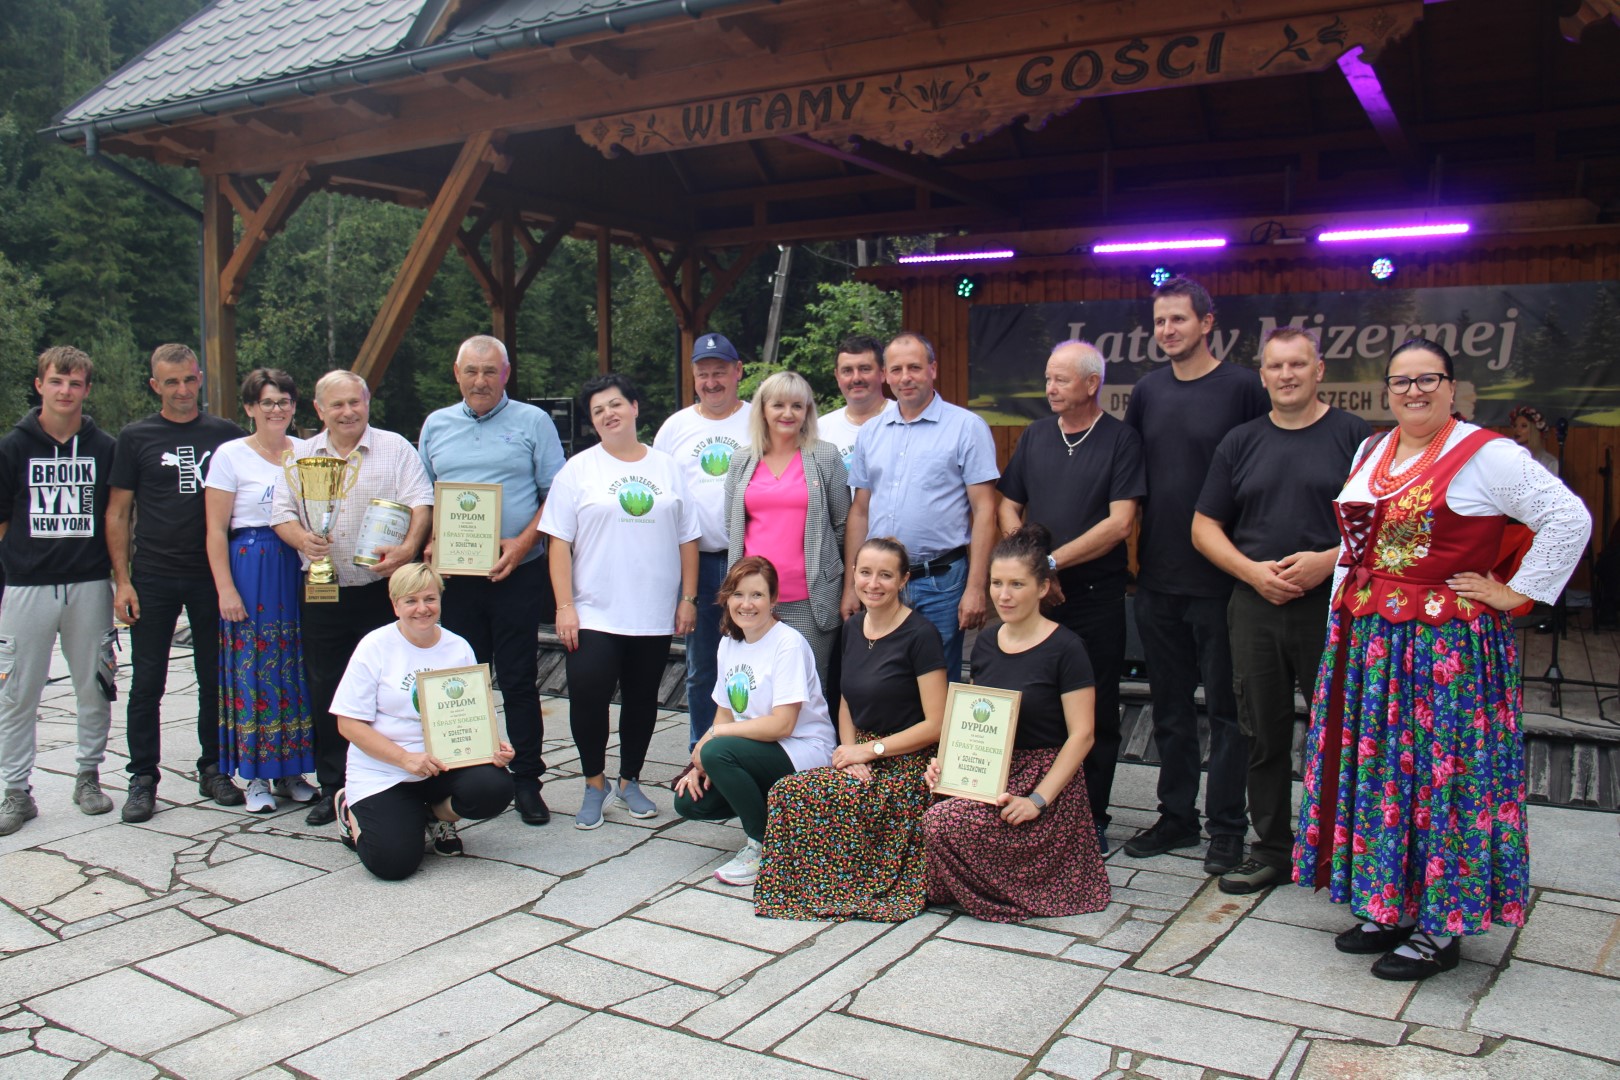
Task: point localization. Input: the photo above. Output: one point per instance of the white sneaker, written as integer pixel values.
(297, 789)
(743, 869)
(259, 799)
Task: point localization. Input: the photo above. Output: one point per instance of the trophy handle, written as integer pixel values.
(351, 474)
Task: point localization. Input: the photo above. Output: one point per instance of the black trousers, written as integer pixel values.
(1096, 613)
(501, 621)
(391, 821)
(636, 666)
(1274, 651)
(331, 631)
(161, 600)
(1185, 642)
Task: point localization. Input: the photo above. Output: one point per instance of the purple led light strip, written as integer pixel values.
(964, 256)
(1456, 228)
(1159, 245)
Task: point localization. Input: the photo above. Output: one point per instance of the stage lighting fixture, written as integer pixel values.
(1382, 269)
(958, 256)
(968, 285)
(1393, 232)
(1183, 244)
(1159, 276)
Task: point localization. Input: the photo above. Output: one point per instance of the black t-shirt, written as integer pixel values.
(880, 682)
(1273, 487)
(164, 463)
(1181, 424)
(1069, 494)
(1043, 674)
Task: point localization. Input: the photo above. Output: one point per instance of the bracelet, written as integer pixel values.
(561, 606)
(690, 600)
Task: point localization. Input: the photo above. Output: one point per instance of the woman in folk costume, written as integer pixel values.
(1414, 783)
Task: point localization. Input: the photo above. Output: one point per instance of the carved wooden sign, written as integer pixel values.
(934, 110)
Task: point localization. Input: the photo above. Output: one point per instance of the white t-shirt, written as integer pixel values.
(626, 521)
(236, 467)
(836, 428)
(703, 448)
(379, 688)
(778, 669)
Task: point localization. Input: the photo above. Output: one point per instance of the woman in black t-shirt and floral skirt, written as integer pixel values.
(1033, 853)
(845, 842)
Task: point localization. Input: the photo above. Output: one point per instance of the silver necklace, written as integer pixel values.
(1084, 435)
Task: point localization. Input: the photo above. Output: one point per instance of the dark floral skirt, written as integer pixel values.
(1008, 873)
(265, 726)
(840, 848)
(1429, 817)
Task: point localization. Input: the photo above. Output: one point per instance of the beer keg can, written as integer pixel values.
(384, 525)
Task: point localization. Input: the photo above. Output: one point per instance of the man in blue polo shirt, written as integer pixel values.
(491, 439)
(925, 473)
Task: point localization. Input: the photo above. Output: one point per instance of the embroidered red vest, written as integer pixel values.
(1401, 549)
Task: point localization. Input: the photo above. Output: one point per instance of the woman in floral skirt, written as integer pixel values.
(846, 842)
(1413, 811)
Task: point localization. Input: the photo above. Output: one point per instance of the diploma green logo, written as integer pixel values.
(469, 500)
(716, 459)
(635, 498)
(982, 710)
(737, 691)
(454, 688)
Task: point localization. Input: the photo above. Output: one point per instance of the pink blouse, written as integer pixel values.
(776, 510)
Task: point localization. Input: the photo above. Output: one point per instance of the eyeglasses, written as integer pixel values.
(1427, 383)
(280, 405)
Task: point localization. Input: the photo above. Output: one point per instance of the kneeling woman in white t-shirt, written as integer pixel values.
(771, 719)
(393, 786)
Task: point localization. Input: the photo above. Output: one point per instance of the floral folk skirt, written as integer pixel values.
(1008, 873)
(1429, 818)
(265, 727)
(841, 848)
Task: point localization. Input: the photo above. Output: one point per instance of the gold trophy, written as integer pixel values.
(318, 485)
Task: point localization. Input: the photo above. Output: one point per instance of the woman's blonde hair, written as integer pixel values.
(783, 386)
(413, 578)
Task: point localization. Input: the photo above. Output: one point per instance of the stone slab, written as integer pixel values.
(31, 879)
(1298, 906)
(334, 919)
(1258, 1005)
(310, 850)
(1234, 1044)
(1168, 883)
(139, 854)
(237, 974)
(33, 1065)
(666, 1007)
(1082, 953)
(18, 932)
(606, 1047)
(1130, 936)
(879, 1052)
(732, 919)
(490, 1054)
(194, 821)
(164, 1016)
(1203, 922)
(1449, 1002)
(1094, 925)
(1315, 970)
(116, 1066)
(1574, 851)
(66, 1044)
(1464, 1043)
(250, 876)
(1571, 937)
(421, 1034)
(58, 817)
(1077, 1059)
(1006, 936)
(567, 975)
(676, 954)
(1551, 1005)
(44, 969)
(708, 833)
(927, 990)
(562, 850)
(609, 889)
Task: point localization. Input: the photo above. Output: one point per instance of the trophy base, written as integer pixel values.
(322, 592)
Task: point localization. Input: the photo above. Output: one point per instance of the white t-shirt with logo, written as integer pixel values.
(379, 688)
(626, 522)
(835, 427)
(703, 448)
(778, 669)
(236, 467)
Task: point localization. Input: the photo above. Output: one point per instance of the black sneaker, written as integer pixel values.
(1164, 835)
(531, 806)
(1251, 877)
(340, 805)
(442, 836)
(1225, 854)
(322, 813)
(217, 786)
(141, 800)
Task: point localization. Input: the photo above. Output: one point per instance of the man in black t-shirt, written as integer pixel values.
(1080, 474)
(1182, 412)
(1265, 517)
(160, 464)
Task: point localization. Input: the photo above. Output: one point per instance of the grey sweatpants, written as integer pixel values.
(31, 618)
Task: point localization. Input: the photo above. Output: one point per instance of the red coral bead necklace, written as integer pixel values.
(1381, 483)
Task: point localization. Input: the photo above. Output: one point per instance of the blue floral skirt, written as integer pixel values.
(265, 728)
(1428, 814)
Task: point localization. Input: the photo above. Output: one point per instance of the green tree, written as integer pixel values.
(23, 312)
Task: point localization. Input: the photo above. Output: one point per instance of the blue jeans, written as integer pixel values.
(702, 645)
(937, 599)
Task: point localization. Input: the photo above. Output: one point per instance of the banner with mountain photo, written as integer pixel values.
(1556, 347)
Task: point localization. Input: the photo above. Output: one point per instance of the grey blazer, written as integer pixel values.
(828, 481)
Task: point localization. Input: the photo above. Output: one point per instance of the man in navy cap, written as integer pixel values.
(702, 439)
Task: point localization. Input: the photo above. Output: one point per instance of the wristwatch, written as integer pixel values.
(1051, 562)
(1036, 798)
(877, 748)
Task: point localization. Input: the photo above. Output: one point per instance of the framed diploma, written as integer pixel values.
(466, 528)
(976, 741)
(458, 715)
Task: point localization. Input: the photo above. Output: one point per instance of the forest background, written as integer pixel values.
(88, 259)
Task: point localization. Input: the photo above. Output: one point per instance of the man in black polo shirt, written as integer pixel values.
(1265, 517)
(1080, 474)
(159, 468)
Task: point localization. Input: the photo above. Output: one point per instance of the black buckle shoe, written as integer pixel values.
(323, 812)
(1359, 942)
(531, 806)
(1430, 959)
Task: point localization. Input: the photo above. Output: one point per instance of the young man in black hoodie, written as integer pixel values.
(54, 467)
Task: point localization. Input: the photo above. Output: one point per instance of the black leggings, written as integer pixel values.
(636, 666)
(392, 820)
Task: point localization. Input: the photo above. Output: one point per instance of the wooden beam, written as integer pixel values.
(368, 104)
(244, 194)
(218, 317)
(479, 85)
(926, 10)
(1364, 83)
(751, 28)
(270, 124)
(536, 253)
(509, 297)
(1573, 26)
(285, 194)
(725, 279)
(467, 245)
(690, 269)
(438, 229)
(187, 143)
(918, 171)
(603, 57)
(604, 301)
(664, 273)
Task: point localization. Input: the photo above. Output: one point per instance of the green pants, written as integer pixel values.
(740, 772)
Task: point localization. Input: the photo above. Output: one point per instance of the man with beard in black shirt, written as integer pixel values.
(1265, 517)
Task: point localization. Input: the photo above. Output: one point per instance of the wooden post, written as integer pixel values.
(219, 317)
(604, 301)
(478, 156)
(506, 299)
(691, 327)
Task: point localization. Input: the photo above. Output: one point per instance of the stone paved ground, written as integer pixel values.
(213, 944)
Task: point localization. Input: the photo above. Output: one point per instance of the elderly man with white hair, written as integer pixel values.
(387, 467)
(1079, 472)
(490, 439)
